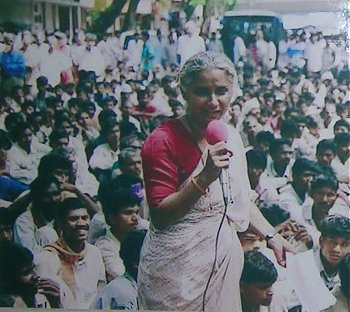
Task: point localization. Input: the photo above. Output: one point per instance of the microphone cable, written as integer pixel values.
(216, 253)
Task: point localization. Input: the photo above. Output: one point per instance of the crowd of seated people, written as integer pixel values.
(73, 210)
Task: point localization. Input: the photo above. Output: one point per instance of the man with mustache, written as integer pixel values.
(71, 261)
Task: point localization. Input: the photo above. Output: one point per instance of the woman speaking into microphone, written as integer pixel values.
(192, 258)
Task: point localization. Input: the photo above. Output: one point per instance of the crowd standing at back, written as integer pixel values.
(73, 119)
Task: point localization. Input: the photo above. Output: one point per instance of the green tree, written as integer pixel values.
(106, 18)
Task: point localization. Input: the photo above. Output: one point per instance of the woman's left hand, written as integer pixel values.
(280, 246)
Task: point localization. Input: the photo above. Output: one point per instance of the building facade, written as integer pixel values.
(64, 15)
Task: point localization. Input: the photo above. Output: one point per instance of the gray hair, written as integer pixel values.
(200, 62)
(126, 153)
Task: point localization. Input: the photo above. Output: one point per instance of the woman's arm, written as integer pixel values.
(178, 204)
(277, 243)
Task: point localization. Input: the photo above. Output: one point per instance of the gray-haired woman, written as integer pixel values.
(192, 258)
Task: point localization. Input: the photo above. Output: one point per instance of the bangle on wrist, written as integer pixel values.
(198, 187)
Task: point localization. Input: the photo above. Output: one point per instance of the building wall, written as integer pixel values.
(13, 11)
(46, 14)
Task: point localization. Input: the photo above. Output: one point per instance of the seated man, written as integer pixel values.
(10, 188)
(25, 153)
(62, 168)
(342, 292)
(121, 293)
(120, 198)
(322, 202)
(258, 276)
(105, 155)
(83, 179)
(71, 261)
(325, 152)
(340, 164)
(34, 228)
(129, 162)
(293, 195)
(278, 171)
(256, 164)
(334, 246)
(20, 286)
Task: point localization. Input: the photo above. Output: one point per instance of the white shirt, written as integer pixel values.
(313, 54)
(189, 46)
(271, 177)
(103, 157)
(291, 202)
(24, 167)
(93, 61)
(89, 273)
(135, 51)
(52, 64)
(330, 281)
(109, 247)
(77, 52)
(341, 170)
(26, 233)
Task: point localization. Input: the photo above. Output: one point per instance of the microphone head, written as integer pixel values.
(216, 132)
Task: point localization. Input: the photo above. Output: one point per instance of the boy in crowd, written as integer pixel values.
(342, 292)
(20, 286)
(120, 198)
(334, 246)
(121, 293)
(263, 140)
(323, 201)
(325, 152)
(256, 164)
(258, 276)
(278, 171)
(76, 265)
(293, 195)
(34, 228)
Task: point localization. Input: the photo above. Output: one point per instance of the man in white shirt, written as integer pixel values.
(121, 199)
(239, 49)
(334, 246)
(313, 54)
(25, 154)
(293, 195)
(340, 164)
(135, 47)
(54, 62)
(73, 263)
(105, 155)
(92, 59)
(34, 228)
(278, 172)
(323, 199)
(190, 43)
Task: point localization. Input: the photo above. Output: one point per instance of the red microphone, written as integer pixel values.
(217, 132)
